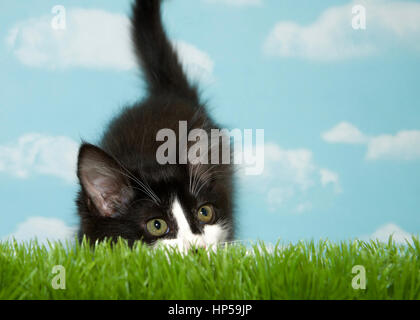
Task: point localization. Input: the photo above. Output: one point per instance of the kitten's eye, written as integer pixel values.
(205, 213)
(157, 227)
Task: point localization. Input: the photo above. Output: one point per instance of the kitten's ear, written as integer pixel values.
(103, 180)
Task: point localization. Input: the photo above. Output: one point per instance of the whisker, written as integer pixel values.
(198, 177)
(206, 181)
(190, 177)
(139, 183)
(146, 187)
(195, 171)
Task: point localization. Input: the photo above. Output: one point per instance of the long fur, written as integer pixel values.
(155, 53)
(128, 149)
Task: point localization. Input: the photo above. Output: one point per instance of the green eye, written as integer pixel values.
(157, 227)
(205, 213)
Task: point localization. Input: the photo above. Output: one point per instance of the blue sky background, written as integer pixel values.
(340, 109)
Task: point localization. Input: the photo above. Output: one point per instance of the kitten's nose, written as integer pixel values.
(195, 250)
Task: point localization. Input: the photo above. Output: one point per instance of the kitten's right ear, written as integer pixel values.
(103, 179)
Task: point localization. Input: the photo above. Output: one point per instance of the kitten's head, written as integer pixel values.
(177, 205)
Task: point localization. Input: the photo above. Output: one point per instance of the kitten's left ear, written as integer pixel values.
(103, 180)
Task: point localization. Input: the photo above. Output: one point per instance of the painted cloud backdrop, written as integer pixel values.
(339, 108)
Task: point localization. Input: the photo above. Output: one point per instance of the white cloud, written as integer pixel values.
(237, 2)
(404, 145)
(330, 177)
(293, 166)
(35, 153)
(197, 64)
(389, 24)
(42, 229)
(278, 196)
(288, 175)
(92, 39)
(303, 207)
(344, 132)
(384, 232)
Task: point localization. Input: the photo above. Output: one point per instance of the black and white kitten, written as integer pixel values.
(124, 191)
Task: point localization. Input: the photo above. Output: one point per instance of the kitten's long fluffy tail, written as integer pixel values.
(155, 53)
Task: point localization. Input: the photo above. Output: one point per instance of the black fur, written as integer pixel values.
(126, 154)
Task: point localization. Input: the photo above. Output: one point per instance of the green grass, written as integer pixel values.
(306, 270)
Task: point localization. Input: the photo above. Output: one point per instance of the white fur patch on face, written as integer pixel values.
(214, 233)
(185, 239)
